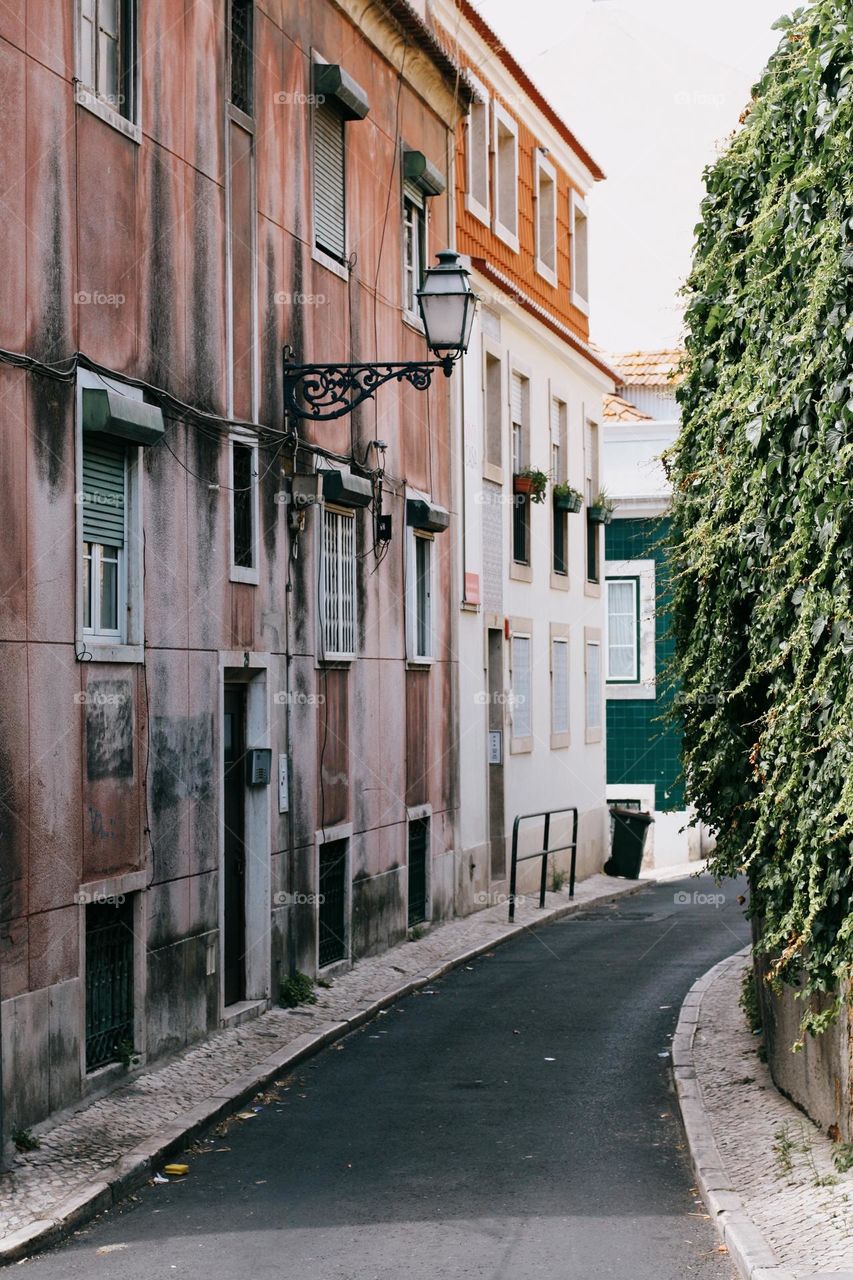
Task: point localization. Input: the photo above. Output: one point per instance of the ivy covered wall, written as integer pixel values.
(763, 513)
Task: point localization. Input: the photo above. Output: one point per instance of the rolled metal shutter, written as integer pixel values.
(329, 169)
(103, 496)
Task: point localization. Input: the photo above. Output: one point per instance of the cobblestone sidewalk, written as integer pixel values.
(91, 1158)
(795, 1216)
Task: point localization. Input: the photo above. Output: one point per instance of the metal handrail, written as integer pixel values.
(547, 814)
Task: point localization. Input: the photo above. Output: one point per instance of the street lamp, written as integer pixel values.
(321, 392)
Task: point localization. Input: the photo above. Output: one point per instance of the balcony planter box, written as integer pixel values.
(570, 501)
(600, 515)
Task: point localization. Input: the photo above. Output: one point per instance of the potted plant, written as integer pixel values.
(531, 482)
(566, 498)
(600, 510)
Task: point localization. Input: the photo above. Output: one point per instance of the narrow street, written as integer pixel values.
(515, 1121)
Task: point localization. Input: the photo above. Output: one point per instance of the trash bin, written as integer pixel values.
(627, 842)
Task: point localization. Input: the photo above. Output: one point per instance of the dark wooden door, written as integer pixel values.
(234, 867)
(497, 835)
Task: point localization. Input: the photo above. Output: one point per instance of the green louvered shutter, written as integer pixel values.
(329, 204)
(103, 491)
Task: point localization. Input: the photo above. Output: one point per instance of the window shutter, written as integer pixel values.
(339, 600)
(517, 398)
(593, 686)
(556, 422)
(103, 492)
(329, 168)
(559, 686)
(522, 718)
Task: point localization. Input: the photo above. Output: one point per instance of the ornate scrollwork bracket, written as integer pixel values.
(322, 392)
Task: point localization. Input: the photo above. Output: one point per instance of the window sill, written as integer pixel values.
(493, 473)
(582, 304)
(547, 273)
(470, 606)
(593, 737)
(413, 321)
(419, 664)
(478, 211)
(559, 741)
(644, 691)
(510, 238)
(520, 572)
(88, 99)
(251, 576)
(592, 589)
(331, 264)
(103, 651)
(559, 581)
(521, 746)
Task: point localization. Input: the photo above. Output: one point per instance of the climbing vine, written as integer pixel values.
(762, 541)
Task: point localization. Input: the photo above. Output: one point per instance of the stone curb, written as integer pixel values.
(750, 1252)
(117, 1181)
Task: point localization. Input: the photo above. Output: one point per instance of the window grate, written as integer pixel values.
(418, 848)
(109, 982)
(333, 902)
(241, 55)
(339, 588)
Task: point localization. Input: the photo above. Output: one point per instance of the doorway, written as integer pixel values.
(234, 846)
(495, 678)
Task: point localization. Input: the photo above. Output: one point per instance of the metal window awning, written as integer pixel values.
(332, 81)
(112, 414)
(347, 489)
(422, 173)
(421, 513)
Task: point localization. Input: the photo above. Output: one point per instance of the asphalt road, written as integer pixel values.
(515, 1122)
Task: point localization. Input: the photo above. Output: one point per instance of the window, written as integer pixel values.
(623, 628)
(329, 180)
(519, 413)
(545, 176)
(506, 177)
(578, 227)
(522, 688)
(104, 500)
(241, 55)
(244, 511)
(420, 595)
(493, 413)
(559, 686)
(338, 597)
(477, 156)
(593, 691)
(559, 475)
(414, 249)
(593, 539)
(107, 55)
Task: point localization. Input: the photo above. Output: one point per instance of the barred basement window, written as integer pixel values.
(332, 942)
(418, 869)
(109, 981)
(242, 14)
(338, 597)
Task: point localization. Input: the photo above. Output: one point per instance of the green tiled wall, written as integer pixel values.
(642, 748)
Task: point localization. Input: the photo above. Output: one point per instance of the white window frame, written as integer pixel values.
(521, 742)
(544, 169)
(577, 205)
(414, 656)
(634, 583)
(340, 513)
(594, 732)
(502, 120)
(420, 231)
(472, 204)
(317, 253)
(646, 571)
(561, 736)
(493, 467)
(88, 96)
(238, 572)
(127, 644)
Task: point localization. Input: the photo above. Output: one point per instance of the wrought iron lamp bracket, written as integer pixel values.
(323, 392)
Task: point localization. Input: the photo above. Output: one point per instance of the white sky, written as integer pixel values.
(651, 87)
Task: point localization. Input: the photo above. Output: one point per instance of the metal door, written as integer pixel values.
(234, 861)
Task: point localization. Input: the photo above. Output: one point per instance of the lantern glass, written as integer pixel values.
(447, 305)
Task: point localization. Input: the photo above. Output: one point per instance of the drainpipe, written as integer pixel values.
(293, 532)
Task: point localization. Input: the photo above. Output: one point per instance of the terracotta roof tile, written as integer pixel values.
(649, 368)
(618, 410)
